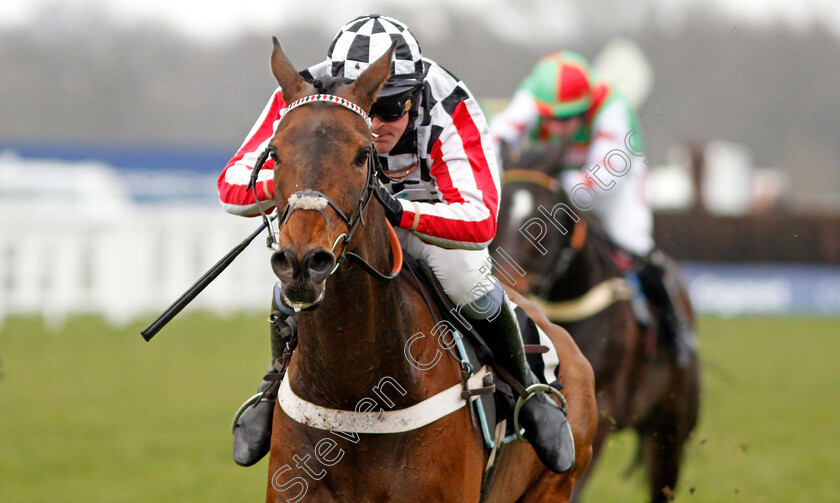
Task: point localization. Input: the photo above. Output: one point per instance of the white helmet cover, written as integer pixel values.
(364, 39)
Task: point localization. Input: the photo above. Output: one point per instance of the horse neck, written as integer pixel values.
(590, 266)
(356, 336)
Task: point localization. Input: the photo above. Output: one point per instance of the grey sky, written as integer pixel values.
(524, 20)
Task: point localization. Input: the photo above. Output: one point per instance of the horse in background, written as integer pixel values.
(575, 278)
(353, 328)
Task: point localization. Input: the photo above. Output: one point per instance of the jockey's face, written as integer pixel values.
(563, 128)
(386, 134)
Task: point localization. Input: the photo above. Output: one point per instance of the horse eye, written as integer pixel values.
(361, 157)
(274, 157)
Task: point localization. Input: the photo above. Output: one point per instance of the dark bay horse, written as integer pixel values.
(575, 279)
(349, 387)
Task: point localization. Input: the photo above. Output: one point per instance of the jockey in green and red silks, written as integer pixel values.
(564, 101)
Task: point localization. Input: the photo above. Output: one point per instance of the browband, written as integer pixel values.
(327, 98)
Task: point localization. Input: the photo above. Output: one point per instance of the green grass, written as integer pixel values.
(769, 428)
(93, 413)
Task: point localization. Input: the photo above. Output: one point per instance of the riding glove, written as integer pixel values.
(393, 208)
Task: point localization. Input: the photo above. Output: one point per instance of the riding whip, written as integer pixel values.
(201, 284)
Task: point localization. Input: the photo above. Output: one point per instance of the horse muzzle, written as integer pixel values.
(303, 278)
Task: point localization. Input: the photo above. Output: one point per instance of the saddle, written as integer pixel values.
(496, 409)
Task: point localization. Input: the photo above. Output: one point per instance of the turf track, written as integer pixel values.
(95, 414)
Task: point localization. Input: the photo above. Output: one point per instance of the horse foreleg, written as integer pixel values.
(604, 429)
(661, 452)
(554, 488)
(663, 438)
(551, 488)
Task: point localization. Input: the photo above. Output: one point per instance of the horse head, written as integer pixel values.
(535, 207)
(323, 174)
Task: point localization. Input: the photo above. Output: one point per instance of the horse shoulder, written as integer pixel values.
(567, 349)
(576, 372)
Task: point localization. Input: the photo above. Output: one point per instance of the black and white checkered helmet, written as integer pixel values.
(364, 39)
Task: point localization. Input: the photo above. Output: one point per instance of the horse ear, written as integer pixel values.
(290, 81)
(370, 81)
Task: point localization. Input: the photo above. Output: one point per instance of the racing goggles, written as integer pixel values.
(391, 108)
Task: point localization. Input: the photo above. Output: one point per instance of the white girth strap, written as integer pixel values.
(594, 301)
(382, 422)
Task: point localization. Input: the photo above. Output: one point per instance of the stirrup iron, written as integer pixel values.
(249, 402)
(531, 391)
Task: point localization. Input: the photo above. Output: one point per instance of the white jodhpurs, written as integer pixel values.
(465, 275)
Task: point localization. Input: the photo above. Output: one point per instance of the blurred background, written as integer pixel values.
(116, 118)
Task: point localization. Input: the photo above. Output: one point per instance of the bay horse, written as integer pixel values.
(349, 380)
(575, 278)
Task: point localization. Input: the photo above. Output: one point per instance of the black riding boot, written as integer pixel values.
(252, 424)
(545, 424)
(674, 326)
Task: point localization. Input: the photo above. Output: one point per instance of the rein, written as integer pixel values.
(309, 199)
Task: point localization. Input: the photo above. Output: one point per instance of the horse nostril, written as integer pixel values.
(283, 263)
(319, 262)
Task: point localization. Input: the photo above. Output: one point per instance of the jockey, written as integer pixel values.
(441, 192)
(563, 101)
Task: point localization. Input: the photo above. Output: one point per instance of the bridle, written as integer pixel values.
(563, 255)
(309, 199)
